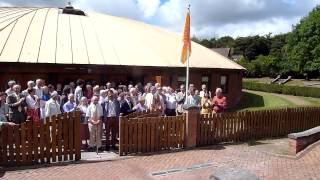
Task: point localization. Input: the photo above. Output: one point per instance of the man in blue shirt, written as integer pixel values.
(111, 112)
(70, 105)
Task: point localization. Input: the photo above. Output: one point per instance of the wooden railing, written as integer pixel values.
(150, 134)
(146, 113)
(243, 126)
(56, 140)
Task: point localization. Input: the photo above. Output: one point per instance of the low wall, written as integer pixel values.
(299, 141)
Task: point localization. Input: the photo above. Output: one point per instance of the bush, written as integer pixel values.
(282, 89)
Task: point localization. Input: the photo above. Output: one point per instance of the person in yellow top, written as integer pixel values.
(206, 107)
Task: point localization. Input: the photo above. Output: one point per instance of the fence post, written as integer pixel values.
(121, 134)
(192, 118)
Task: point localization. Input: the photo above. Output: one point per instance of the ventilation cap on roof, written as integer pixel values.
(69, 9)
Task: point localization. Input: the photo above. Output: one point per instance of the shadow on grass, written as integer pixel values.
(249, 100)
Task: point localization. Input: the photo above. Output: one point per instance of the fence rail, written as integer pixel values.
(151, 134)
(56, 140)
(242, 126)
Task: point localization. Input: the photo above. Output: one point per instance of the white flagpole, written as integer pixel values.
(187, 77)
(188, 65)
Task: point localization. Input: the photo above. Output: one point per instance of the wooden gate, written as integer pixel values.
(56, 140)
(150, 134)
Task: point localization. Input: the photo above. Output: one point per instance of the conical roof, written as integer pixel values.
(46, 35)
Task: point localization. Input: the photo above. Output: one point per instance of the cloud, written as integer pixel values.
(123, 8)
(148, 7)
(209, 17)
(234, 17)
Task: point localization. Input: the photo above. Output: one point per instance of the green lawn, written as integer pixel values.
(256, 101)
(313, 101)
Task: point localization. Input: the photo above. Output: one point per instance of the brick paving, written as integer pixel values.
(186, 164)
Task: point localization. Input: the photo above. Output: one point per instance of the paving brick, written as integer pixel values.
(188, 163)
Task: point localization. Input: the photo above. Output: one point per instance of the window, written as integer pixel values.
(224, 83)
(205, 80)
(181, 80)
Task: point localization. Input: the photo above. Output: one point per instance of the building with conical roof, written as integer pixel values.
(64, 44)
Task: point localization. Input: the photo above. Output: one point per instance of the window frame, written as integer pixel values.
(225, 89)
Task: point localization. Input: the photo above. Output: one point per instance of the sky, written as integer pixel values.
(209, 18)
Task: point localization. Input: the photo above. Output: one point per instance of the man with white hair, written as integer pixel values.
(52, 106)
(149, 101)
(70, 105)
(157, 85)
(171, 103)
(79, 92)
(180, 97)
(219, 101)
(204, 91)
(38, 87)
(10, 90)
(96, 91)
(103, 96)
(108, 85)
(94, 116)
(134, 96)
(30, 85)
(17, 106)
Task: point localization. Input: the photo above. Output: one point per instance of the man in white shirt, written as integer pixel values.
(52, 106)
(103, 95)
(149, 101)
(94, 115)
(30, 85)
(39, 91)
(171, 103)
(78, 92)
(10, 90)
(180, 97)
(204, 90)
(32, 105)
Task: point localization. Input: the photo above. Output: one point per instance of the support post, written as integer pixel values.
(192, 118)
(121, 134)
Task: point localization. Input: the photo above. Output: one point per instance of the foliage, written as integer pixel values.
(282, 89)
(296, 53)
(303, 47)
(252, 46)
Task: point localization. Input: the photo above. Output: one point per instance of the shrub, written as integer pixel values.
(282, 89)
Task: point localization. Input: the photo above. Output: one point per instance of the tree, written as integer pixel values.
(207, 43)
(223, 42)
(303, 48)
(252, 46)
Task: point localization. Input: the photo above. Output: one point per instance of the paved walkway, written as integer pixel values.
(193, 164)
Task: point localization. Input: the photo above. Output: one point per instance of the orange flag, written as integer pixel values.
(186, 50)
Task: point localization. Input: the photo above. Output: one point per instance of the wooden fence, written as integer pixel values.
(150, 134)
(54, 141)
(243, 126)
(146, 113)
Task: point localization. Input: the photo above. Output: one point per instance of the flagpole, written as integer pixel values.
(187, 78)
(187, 67)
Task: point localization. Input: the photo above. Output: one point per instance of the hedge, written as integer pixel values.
(283, 89)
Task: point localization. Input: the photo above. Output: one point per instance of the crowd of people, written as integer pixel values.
(101, 106)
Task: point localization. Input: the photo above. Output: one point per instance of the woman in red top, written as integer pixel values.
(219, 102)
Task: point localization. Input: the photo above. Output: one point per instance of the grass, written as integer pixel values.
(313, 101)
(258, 101)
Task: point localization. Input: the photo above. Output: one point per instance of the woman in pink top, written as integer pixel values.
(219, 102)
